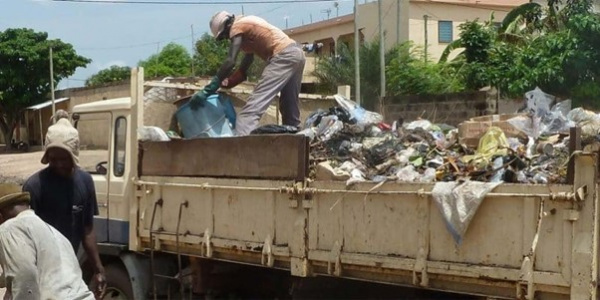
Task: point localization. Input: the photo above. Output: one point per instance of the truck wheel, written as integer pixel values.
(118, 284)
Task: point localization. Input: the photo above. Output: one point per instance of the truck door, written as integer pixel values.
(94, 155)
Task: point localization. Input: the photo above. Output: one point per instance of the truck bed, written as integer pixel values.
(524, 240)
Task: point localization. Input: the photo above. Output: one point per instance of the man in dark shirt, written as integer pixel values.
(64, 196)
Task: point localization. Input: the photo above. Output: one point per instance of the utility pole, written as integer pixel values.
(425, 18)
(51, 87)
(311, 18)
(356, 55)
(337, 9)
(327, 11)
(286, 21)
(242, 10)
(398, 11)
(193, 50)
(381, 55)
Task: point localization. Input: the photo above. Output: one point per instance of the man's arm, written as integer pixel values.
(89, 238)
(229, 63)
(246, 62)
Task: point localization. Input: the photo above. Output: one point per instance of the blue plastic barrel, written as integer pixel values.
(216, 118)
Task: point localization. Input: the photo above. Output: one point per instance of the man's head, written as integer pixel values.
(62, 148)
(60, 114)
(12, 201)
(220, 24)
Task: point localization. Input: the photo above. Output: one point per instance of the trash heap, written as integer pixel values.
(351, 144)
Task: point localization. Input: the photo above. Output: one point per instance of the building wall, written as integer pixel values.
(86, 95)
(445, 12)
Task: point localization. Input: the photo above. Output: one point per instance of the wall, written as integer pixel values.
(87, 95)
(450, 109)
(459, 14)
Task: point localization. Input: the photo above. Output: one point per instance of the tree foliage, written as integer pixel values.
(24, 71)
(210, 54)
(108, 75)
(555, 49)
(406, 72)
(172, 60)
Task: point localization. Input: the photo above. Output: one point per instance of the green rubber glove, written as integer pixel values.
(198, 100)
(200, 97)
(213, 86)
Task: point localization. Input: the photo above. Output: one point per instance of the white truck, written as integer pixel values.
(166, 207)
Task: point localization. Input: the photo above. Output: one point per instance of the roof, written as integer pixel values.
(488, 3)
(104, 105)
(321, 24)
(46, 104)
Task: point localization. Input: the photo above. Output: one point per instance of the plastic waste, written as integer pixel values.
(404, 156)
(492, 143)
(314, 118)
(587, 120)
(458, 203)
(214, 119)
(423, 124)
(407, 174)
(362, 116)
(328, 126)
(309, 132)
(540, 178)
(152, 133)
(499, 174)
(538, 102)
(274, 129)
(436, 162)
(428, 176)
(355, 176)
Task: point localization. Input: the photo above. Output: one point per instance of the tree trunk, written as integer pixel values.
(7, 127)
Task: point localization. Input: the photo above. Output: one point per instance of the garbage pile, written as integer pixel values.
(351, 144)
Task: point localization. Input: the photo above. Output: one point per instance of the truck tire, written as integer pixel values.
(118, 284)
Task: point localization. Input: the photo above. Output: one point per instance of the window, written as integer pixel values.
(94, 140)
(445, 31)
(120, 145)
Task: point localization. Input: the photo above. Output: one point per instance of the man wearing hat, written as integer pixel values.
(37, 261)
(64, 196)
(282, 74)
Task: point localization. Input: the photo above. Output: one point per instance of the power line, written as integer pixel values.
(196, 2)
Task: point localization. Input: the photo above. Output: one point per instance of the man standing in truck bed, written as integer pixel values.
(283, 72)
(64, 196)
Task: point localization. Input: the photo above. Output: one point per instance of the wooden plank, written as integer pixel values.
(574, 145)
(282, 157)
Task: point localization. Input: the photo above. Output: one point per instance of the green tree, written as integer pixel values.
(108, 75)
(406, 72)
(209, 55)
(24, 74)
(172, 60)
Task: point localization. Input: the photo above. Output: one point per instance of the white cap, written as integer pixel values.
(62, 135)
(217, 23)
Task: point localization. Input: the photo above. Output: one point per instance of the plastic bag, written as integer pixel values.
(152, 133)
(407, 174)
(314, 118)
(458, 203)
(362, 116)
(275, 129)
(428, 176)
(587, 120)
(538, 102)
(329, 126)
(492, 143)
(423, 124)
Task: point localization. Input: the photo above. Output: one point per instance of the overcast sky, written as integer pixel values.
(123, 34)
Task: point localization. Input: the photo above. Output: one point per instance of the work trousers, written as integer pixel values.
(283, 73)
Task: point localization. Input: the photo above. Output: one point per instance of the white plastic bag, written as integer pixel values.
(152, 133)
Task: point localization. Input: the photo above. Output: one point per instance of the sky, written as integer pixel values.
(123, 34)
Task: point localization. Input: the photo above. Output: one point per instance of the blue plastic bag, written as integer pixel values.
(216, 118)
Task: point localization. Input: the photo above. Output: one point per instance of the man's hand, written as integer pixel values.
(99, 285)
(232, 81)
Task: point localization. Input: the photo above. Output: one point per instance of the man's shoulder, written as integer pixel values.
(34, 181)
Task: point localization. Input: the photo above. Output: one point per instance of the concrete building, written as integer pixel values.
(402, 20)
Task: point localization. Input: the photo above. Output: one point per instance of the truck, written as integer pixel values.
(169, 208)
